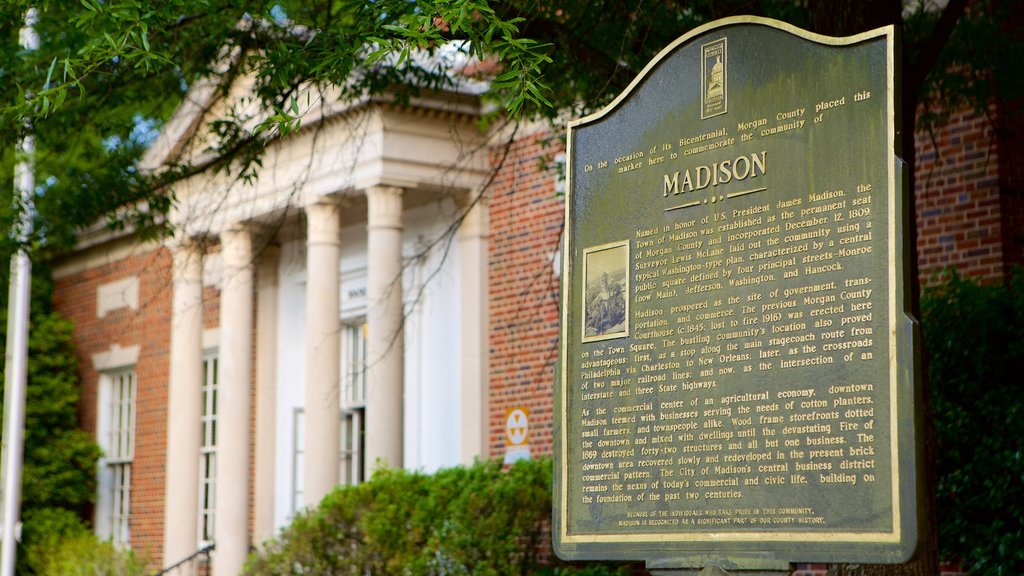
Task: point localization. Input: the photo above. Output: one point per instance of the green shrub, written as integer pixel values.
(82, 554)
(974, 336)
(43, 530)
(466, 520)
(59, 474)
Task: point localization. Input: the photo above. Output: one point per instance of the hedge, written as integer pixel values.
(974, 337)
(476, 520)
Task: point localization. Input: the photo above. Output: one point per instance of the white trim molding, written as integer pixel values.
(116, 295)
(116, 357)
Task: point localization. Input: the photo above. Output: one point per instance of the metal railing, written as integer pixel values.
(196, 564)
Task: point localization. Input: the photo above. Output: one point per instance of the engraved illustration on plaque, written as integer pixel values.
(605, 288)
(713, 94)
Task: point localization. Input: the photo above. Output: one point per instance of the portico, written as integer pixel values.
(345, 263)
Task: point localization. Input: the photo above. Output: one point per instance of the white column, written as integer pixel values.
(323, 325)
(385, 339)
(474, 327)
(231, 531)
(266, 394)
(184, 405)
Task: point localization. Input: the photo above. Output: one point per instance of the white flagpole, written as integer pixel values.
(16, 376)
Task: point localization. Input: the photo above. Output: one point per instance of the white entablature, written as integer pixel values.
(429, 147)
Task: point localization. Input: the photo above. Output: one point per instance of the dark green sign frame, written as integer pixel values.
(738, 368)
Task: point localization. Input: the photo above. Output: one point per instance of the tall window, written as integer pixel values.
(353, 403)
(208, 450)
(117, 438)
(353, 419)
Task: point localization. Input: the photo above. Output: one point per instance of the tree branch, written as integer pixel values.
(920, 60)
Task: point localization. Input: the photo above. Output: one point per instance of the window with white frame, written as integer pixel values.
(116, 434)
(208, 450)
(353, 405)
(353, 416)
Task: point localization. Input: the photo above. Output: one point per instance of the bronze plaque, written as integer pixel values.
(737, 369)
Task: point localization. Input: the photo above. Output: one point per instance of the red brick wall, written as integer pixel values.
(149, 328)
(526, 227)
(75, 296)
(958, 204)
(1010, 139)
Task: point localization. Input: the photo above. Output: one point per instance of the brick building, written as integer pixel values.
(339, 298)
(386, 290)
(969, 200)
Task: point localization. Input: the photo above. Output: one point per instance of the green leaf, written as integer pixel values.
(49, 73)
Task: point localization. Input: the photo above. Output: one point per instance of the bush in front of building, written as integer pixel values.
(80, 553)
(974, 337)
(476, 520)
(59, 475)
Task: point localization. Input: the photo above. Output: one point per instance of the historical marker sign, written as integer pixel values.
(737, 370)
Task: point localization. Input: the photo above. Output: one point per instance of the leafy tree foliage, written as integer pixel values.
(59, 477)
(108, 73)
(976, 351)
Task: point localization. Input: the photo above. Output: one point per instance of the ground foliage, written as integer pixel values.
(975, 357)
(59, 476)
(464, 520)
(80, 553)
